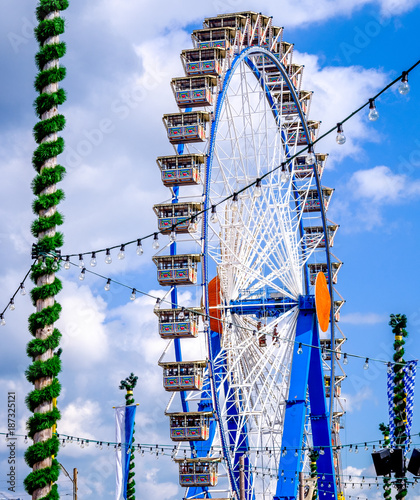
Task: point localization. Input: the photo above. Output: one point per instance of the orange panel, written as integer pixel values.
(215, 300)
(322, 301)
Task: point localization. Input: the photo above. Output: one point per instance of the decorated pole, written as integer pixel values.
(43, 371)
(387, 443)
(313, 457)
(398, 323)
(129, 384)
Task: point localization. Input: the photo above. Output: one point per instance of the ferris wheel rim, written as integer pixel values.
(245, 53)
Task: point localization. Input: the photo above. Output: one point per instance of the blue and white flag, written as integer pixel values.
(124, 418)
(409, 380)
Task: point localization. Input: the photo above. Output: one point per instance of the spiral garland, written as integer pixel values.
(387, 442)
(129, 384)
(313, 457)
(398, 323)
(42, 349)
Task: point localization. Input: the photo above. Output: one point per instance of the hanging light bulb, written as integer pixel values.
(181, 314)
(341, 138)
(300, 350)
(67, 263)
(404, 88)
(234, 204)
(345, 359)
(258, 190)
(26, 440)
(192, 227)
(373, 112)
(155, 244)
(284, 171)
(206, 322)
(172, 236)
(133, 294)
(81, 263)
(351, 448)
(2, 320)
(22, 289)
(321, 451)
(324, 354)
(108, 258)
(82, 274)
(356, 449)
(157, 305)
(93, 260)
(213, 216)
(366, 447)
(366, 365)
(389, 368)
(121, 253)
(310, 157)
(107, 287)
(139, 250)
(12, 305)
(296, 453)
(54, 265)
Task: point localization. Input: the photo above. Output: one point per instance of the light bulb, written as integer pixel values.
(133, 294)
(12, 305)
(93, 260)
(2, 320)
(155, 245)
(310, 157)
(321, 451)
(324, 354)
(258, 190)
(67, 263)
(373, 112)
(81, 263)
(139, 248)
(206, 322)
(213, 216)
(341, 138)
(404, 88)
(22, 289)
(172, 236)
(192, 228)
(345, 359)
(296, 453)
(54, 265)
(82, 274)
(300, 350)
(234, 203)
(181, 314)
(26, 440)
(389, 368)
(366, 447)
(107, 287)
(157, 305)
(121, 254)
(351, 448)
(108, 258)
(356, 449)
(366, 365)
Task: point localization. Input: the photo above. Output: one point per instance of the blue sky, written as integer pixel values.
(121, 58)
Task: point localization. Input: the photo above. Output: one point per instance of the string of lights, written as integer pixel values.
(403, 89)
(11, 304)
(85, 442)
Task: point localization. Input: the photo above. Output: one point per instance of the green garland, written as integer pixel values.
(398, 323)
(129, 384)
(387, 479)
(313, 457)
(43, 348)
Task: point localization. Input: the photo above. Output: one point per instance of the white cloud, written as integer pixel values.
(363, 318)
(354, 403)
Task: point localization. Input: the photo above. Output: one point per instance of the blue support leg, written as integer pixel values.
(294, 420)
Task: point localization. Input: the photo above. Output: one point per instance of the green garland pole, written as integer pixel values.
(313, 457)
(387, 443)
(398, 323)
(129, 384)
(46, 365)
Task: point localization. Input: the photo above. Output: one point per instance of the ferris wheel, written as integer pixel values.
(255, 384)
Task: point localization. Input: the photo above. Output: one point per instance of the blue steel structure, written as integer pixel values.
(306, 400)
